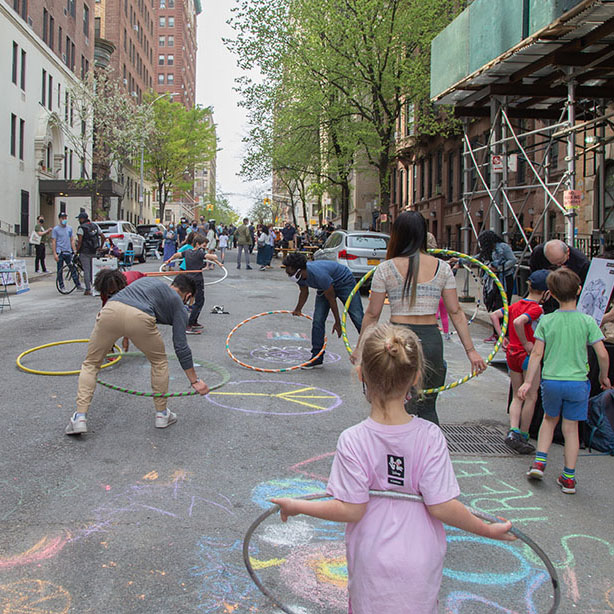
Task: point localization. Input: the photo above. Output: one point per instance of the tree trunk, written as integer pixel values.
(384, 187)
(345, 203)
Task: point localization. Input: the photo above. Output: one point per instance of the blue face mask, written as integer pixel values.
(63, 222)
(171, 226)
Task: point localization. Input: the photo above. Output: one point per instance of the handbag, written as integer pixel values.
(35, 238)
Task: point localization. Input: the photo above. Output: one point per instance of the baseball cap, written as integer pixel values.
(538, 280)
(82, 216)
(63, 214)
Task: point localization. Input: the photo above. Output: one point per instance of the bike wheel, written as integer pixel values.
(67, 283)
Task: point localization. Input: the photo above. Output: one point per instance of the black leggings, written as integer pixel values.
(434, 370)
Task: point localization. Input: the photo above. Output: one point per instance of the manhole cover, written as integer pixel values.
(475, 440)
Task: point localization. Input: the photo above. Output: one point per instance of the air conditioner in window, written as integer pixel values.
(135, 27)
(125, 81)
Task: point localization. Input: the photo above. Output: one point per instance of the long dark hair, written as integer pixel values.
(408, 238)
(487, 241)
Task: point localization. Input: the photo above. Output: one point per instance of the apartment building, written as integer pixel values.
(46, 47)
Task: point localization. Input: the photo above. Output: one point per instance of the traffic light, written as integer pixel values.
(267, 201)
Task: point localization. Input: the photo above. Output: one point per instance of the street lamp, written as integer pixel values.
(142, 186)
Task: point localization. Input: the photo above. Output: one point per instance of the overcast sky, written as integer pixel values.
(216, 71)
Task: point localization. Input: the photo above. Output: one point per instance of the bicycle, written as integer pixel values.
(67, 276)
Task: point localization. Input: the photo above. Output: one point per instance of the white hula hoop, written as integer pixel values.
(207, 283)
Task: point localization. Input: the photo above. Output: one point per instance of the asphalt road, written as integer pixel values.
(131, 519)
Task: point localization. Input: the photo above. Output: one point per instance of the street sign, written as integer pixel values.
(496, 163)
(572, 199)
(313, 222)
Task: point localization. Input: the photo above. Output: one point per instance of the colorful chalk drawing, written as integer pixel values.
(34, 597)
(288, 355)
(46, 548)
(255, 397)
(286, 336)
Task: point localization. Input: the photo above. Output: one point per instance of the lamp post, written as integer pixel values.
(142, 186)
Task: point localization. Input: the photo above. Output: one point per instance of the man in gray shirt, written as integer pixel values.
(134, 313)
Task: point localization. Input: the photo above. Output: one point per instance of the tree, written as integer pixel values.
(221, 211)
(264, 209)
(181, 139)
(111, 128)
(364, 57)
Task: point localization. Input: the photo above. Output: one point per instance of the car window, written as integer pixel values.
(129, 228)
(367, 242)
(108, 227)
(334, 240)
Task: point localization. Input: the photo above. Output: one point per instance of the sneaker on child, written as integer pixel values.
(536, 471)
(77, 425)
(165, 418)
(568, 485)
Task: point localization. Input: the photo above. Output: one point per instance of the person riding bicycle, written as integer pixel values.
(88, 243)
(64, 247)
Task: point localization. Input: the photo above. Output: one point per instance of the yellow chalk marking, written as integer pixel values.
(291, 396)
(258, 564)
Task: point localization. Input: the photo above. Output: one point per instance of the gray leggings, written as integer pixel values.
(434, 370)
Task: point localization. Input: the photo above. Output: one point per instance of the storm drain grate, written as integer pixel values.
(475, 440)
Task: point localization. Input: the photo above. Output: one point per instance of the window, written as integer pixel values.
(22, 131)
(160, 79)
(67, 52)
(170, 41)
(161, 60)
(50, 93)
(450, 177)
(170, 78)
(70, 7)
(65, 162)
(13, 147)
(409, 118)
(72, 111)
(14, 70)
(171, 22)
(70, 158)
(171, 4)
(65, 106)
(60, 40)
(22, 78)
(59, 97)
(162, 22)
(162, 4)
(170, 59)
(86, 20)
(44, 88)
(160, 41)
(51, 31)
(45, 26)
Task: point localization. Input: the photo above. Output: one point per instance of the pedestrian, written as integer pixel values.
(40, 249)
(182, 231)
(498, 255)
(223, 244)
(89, 241)
(180, 253)
(270, 247)
(332, 281)
(170, 242)
(263, 246)
(134, 312)
(252, 234)
(196, 259)
(212, 239)
(414, 281)
(243, 240)
(394, 548)
(287, 234)
(561, 340)
(442, 312)
(523, 317)
(63, 244)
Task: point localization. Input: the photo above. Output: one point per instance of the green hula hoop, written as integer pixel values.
(209, 365)
(444, 252)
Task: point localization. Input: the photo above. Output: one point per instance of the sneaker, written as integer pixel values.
(318, 364)
(87, 293)
(239, 267)
(79, 289)
(198, 326)
(77, 425)
(164, 420)
(190, 330)
(490, 339)
(249, 268)
(536, 471)
(568, 485)
(516, 442)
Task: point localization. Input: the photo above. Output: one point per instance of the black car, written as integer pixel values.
(153, 234)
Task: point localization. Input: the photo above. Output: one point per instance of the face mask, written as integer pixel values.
(63, 222)
(171, 226)
(297, 276)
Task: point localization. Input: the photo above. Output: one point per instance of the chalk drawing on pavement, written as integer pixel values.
(288, 355)
(34, 597)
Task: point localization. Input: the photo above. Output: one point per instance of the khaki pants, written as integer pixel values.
(114, 321)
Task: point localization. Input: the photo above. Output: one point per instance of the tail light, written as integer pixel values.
(116, 236)
(345, 256)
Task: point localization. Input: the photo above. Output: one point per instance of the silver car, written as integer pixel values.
(359, 250)
(125, 237)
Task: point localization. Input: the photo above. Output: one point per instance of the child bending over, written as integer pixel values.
(560, 340)
(395, 548)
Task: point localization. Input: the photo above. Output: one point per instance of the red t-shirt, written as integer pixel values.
(130, 277)
(533, 310)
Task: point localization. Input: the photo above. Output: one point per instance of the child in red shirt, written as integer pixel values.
(523, 317)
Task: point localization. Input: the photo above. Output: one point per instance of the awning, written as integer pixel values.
(79, 187)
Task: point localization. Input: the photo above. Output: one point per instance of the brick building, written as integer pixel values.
(175, 49)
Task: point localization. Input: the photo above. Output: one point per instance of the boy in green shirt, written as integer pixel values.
(560, 340)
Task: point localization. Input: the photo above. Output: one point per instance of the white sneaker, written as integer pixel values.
(77, 425)
(164, 420)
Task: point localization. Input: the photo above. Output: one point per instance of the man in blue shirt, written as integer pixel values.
(331, 280)
(64, 246)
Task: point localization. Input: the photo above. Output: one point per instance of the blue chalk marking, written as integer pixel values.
(286, 487)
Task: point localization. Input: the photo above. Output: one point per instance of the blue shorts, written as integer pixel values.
(566, 398)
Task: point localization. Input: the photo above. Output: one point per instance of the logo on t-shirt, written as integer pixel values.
(396, 470)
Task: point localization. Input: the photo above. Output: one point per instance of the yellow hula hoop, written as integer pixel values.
(49, 345)
(445, 252)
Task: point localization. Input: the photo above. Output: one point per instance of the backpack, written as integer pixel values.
(91, 238)
(600, 422)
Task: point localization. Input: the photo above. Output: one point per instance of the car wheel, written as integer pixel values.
(143, 257)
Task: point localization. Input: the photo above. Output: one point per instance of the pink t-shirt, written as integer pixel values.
(395, 553)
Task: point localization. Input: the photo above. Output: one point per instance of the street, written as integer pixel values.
(131, 519)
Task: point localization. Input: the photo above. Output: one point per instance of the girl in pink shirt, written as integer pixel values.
(395, 548)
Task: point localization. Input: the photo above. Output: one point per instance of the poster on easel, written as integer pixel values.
(597, 289)
(22, 283)
(97, 265)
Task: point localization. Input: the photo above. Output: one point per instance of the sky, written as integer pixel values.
(216, 70)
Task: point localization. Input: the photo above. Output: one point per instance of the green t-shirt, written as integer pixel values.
(566, 335)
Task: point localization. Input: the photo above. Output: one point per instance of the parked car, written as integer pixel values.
(125, 237)
(154, 235)
(359, 250)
